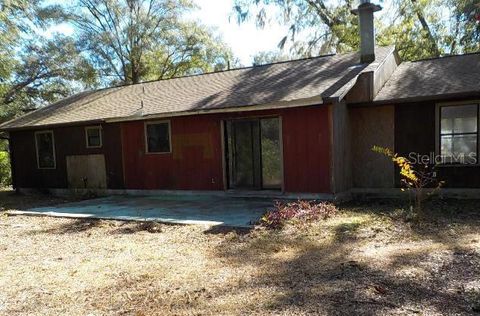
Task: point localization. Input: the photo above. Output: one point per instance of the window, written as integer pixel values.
(45, 145)
(459, 134)
(158, 137)
(93, 136)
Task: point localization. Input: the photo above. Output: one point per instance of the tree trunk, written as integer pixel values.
(433, 42)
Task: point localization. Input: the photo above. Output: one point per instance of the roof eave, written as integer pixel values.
(317, 100)
(436, 97)
(36, 127)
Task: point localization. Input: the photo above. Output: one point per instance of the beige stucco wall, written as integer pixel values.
(372, 126)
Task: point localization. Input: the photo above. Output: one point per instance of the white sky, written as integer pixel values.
(245, 39)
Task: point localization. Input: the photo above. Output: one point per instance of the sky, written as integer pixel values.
(245, 39)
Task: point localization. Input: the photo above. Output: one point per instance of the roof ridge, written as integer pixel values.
(242, 68)
(205, 73)
(226, 70)
(445, 57)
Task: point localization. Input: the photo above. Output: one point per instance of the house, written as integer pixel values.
(298, 127)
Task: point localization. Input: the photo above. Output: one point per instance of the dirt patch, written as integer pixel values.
(365, 260)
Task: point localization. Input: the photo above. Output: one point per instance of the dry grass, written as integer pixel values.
(366, 260)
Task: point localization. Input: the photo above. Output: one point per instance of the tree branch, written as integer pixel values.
(433, 46)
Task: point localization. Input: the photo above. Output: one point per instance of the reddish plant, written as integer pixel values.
(300, 211)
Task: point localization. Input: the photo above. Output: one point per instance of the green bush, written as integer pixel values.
(5, 172)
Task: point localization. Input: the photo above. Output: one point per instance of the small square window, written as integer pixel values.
(158, 137)
(93, 137)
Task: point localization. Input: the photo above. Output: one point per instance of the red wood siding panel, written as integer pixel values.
(306, 151)
(196, 159)
(195, 162)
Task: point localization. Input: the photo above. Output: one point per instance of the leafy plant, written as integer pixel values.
(5, 174)
(299, 212)
(415, 179)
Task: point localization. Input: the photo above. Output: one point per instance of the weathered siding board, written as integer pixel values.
(340, 120)
(86, 172)
(372, 126)
(68, 141)
(415, 132)
(196, 159)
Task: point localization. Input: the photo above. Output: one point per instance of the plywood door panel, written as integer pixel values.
(86, 172)
(372, 126)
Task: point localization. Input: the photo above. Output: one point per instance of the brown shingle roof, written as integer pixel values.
(433, 78)
(275, 83)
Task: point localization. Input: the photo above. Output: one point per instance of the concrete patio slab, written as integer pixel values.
(207, 210)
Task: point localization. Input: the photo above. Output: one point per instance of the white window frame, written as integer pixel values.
(438, 131)
(88, 128)
(169, 137)
(54, 150)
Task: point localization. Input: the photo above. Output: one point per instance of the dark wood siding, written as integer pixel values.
(415, 132)
(68, 141)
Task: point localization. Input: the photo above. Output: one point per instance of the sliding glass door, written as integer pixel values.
(254, 154)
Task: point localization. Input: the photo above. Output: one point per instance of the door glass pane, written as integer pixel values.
(271, 155)
(243, 151)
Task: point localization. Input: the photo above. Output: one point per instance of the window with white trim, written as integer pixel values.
(93, 136)
(157, 135)
(459, 133)
(45, 147)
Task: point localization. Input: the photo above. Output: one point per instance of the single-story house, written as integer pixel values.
(298, 127)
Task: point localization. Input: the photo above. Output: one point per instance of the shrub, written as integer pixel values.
(415, 178)
(5, 174)
(298, 212)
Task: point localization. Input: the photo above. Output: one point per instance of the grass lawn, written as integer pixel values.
(365, 260)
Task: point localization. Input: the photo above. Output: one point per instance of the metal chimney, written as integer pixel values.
(367, 30)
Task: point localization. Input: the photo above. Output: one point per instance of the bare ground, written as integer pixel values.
(367, 260)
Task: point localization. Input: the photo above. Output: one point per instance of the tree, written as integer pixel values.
(269, 57)
(467, 25)
(16, 17)
(132, 40)
(35, 70)
(328, 27)
(43, 72)
(417, 27)
(191, 49)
